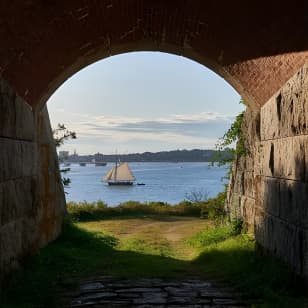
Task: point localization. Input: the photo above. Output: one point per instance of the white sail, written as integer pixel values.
(121, 172)
(124, 173)
(109, 174)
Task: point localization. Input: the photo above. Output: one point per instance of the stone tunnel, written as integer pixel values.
(260, 48)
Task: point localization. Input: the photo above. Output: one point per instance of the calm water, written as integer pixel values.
(168, 182)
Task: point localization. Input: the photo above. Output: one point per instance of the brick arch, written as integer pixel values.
(143, 46)
(48, 41)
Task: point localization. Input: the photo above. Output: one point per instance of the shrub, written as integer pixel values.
(212, 208)
(236, 226)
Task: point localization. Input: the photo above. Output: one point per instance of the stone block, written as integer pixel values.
(16, 117)
(235, 205)
(265, 166)
(285, 114)
(10, 243)
(270, 195)
(239, 183)
(25, 126)
(249, 184)
(248, 210)
(17, 159)
(259, 230)
(283, 158)
(293, 202)
(269, 120)
(286, 199)
(15, 199)
(31, 235)
(289, 158)
(282, 239)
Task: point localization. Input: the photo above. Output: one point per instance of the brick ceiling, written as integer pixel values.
(255, 45)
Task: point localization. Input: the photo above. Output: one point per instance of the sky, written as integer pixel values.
(144, 101)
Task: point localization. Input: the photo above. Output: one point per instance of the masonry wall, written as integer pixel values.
(32, 201)
(269, 186)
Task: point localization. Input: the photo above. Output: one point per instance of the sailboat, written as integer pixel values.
(119, 175)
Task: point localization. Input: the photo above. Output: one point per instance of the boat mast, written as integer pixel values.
(116, 166)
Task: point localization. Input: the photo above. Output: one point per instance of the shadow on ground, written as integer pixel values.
(79, 254)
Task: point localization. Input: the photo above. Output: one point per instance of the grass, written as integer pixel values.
(87, 211)
(209, 236)
(151, 246)
(74, 254)
(259, 276)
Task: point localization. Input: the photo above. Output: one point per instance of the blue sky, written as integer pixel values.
(144, 101)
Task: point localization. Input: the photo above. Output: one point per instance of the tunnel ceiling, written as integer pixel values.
(256, 46)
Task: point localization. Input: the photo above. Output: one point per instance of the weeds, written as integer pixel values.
(85, 211)
(209, 236)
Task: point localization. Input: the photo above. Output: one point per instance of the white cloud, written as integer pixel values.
(106, 132)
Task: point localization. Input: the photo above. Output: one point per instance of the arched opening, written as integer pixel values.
(145, 102)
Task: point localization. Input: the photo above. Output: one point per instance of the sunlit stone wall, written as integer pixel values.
(269, 186)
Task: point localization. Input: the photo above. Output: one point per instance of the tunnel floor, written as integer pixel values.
(109, 292)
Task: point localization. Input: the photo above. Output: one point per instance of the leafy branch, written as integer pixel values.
(224, 153)
(61, 134)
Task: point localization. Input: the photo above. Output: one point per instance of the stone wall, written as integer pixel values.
(269, 186)
(32, 201)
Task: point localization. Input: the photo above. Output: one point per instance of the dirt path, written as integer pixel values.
(171, 228)
(153, 251)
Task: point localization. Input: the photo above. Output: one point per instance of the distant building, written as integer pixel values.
(99, 159)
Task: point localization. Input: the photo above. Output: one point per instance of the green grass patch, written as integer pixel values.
(263, 277)
(143, 246)
(76, 253)
(91, 211)
(87, 249)
(209, 236)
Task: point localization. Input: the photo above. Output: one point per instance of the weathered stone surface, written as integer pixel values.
(32, 201)
(130, 290)
(90, 287)
(11, 244)
(150, 298)
(286, 199)
(167, 293)
(21, 125)
(286, 240)
(15, 200)
(17, 159)
(273, 198)
(248, 210)
(285, 114)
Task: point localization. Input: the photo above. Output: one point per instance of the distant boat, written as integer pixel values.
(82, 164)
(100, 163)
(120, 174)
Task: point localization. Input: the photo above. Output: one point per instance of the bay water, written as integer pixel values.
(164, 181)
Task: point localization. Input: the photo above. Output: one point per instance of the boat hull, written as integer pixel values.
(120, 183)
(98, 164)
